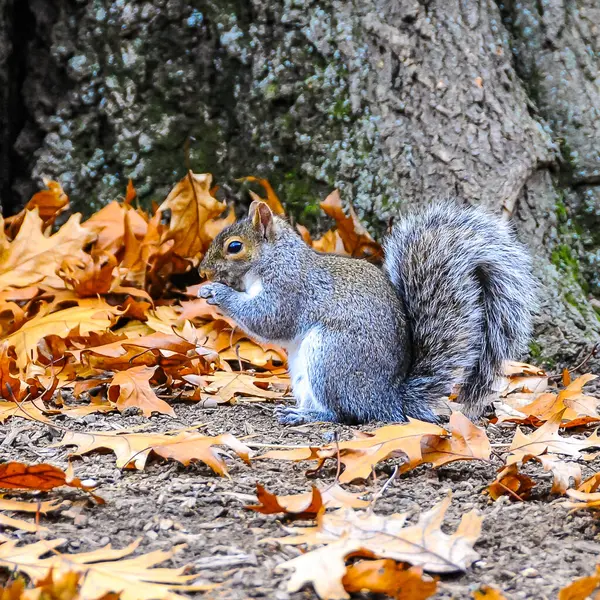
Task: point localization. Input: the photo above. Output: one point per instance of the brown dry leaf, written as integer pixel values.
(33, 257)
(512, 483)
(512, 367)
(308, 504)
(130, 193)
(360, 455)
(102, 571)
(108, 224)
(546, 439)
(357, 240)
(19, 476)
(29, 507)
(330, 242)
(467, 442)
(345, 533)
(92, 314)
(272, 199)
(88, 276)
(388, 577)
(26, 410)
(582, 588)
(132, 388)
(132, 449)
(50, 203)
(579, 409)
(12, 384)
(485, 592)
(64, 587)
(191, 207)
(591, 484)
(226, 386)
(6, 521)
(583, 500)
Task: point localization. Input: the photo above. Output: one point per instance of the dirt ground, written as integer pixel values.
(528, 550)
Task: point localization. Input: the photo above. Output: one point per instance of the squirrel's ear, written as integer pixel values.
(262, 218)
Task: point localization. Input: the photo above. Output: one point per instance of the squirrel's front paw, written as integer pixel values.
(212, 292)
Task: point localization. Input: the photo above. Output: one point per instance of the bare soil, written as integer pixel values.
(528, 549)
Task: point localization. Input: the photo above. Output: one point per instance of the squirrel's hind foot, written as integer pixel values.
(293, 415)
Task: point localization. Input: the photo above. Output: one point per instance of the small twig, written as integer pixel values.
(384, 487)
(588, 357)
(514, 494)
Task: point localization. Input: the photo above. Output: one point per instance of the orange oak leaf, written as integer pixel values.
(387, 577)
(132, 449)
(108, 224)
(582, 588)
(92, 314)
(305, 505)
(49, 202)
(357, 240)
(19, 476)
(272, 199)
(191, 206)
(131, 388)
(33, 257)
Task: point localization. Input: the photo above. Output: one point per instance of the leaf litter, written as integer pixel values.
(95, 302)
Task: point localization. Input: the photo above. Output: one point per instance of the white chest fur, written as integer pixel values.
(253, 285)
(301, 354)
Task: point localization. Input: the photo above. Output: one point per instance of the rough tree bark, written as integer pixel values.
(396, 102)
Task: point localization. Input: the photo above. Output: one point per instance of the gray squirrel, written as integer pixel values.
(453, 301)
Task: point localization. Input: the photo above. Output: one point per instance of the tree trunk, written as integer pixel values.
(396, 103)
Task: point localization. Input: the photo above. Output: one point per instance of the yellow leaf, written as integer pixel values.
(33, 257)
(104, 570)
(91, 315)
(191, 207)
(132, 388)
(132, 449)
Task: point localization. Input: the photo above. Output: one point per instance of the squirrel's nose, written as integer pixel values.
(206, 273)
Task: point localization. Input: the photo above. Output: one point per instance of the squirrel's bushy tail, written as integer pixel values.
(468, 292)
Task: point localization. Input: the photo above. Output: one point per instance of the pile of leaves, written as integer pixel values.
(103, 316)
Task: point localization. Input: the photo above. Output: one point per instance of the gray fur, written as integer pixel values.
(452, 302)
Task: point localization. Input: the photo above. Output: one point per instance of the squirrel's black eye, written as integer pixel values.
(234, 247)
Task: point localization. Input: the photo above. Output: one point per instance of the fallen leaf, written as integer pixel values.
(29, 507)
(26, 410)
(102, 571)
(131, 388)
(272, 199)
(357, 240)
(485, 592)
(50, 203)
(6, 521)
(191, 206)
(88, 276)
(132, 449)
(388, 577)
(510, 482)
(108, 225)
(582, 588)
(33, 257)
(546, 439)
(583, 500)
(466, 442)
(19, 476)
(308, 504)
(360, 455)
(346, 533)
(91, 315)
(226, 386)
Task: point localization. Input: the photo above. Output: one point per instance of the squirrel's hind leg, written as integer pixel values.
(295, 415)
